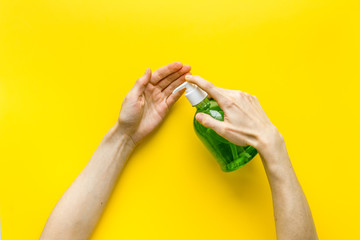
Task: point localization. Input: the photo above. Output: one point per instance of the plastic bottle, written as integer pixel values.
(229, 156)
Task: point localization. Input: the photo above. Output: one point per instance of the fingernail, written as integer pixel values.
(147, 70)
(198, 117)
(188, 76)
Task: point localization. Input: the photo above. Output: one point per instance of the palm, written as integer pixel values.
(141, 113)
(154, 111)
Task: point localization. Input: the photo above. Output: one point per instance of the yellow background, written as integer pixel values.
(65, 67)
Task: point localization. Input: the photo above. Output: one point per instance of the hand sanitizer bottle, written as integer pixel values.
(229, 156)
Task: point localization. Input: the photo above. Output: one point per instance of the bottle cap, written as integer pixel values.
(193, 93)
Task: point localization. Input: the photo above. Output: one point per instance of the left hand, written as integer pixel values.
(150, 99)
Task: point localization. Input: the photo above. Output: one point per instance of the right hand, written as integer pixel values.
(245, 122)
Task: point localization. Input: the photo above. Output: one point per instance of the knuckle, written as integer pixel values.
(233, 104)
(204, 121)
(226, 129)
(221, 131)
(227, 102)
(230, 103)
(241, 94)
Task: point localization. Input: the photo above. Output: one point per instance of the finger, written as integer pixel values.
(209, 122)
(141, 83)
(168, 91)
(206, 86)
(165, 71)
(162, 84)
(174, 97)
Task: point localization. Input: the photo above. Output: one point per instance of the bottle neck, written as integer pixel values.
(204, 104)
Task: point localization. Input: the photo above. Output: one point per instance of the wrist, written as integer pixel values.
(272, 149)
(117, 134)
(269, 140)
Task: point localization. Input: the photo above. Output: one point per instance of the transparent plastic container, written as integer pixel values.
(229, 156)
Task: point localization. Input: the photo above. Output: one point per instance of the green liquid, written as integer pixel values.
(229, 156)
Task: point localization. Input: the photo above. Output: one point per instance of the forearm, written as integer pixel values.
(293, 217)
(79, 209)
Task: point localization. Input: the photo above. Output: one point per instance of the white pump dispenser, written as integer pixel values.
(193, 93)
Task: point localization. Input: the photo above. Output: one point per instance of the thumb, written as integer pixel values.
(142, 82)
(209, 122)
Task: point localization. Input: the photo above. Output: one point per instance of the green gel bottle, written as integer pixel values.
(229, 156)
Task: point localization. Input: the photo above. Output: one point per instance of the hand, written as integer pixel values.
(245, 122)
(148, 102)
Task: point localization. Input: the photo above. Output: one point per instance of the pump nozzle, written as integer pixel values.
(189, 87)
(193, 93)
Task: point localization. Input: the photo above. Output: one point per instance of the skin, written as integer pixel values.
(245, 123)
(144, 108)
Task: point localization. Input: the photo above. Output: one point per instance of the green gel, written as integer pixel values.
(229, 156)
